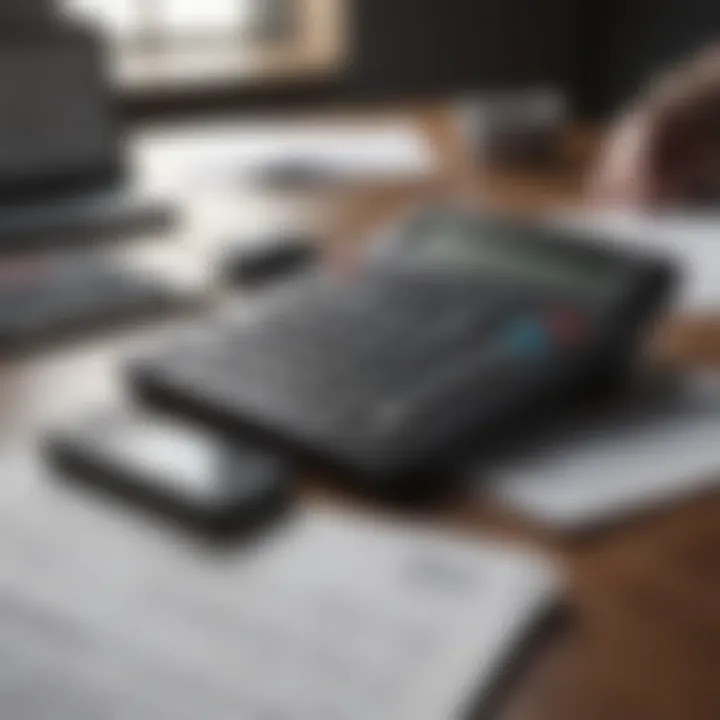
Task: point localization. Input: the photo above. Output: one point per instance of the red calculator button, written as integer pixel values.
(567, 327)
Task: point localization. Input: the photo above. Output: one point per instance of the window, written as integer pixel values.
(171, 21)
(188, 45)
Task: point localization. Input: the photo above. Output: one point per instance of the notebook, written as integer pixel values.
(329, 616)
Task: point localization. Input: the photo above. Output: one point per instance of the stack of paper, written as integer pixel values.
(650, 447)
(329, 152)
(330, 616)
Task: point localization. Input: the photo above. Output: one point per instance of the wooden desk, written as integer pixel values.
(642, 635)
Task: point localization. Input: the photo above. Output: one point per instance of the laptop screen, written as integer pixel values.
(57, 125)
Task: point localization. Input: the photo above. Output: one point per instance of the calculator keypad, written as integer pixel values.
(368, 370)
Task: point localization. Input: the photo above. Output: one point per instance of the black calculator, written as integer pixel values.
(455, 330)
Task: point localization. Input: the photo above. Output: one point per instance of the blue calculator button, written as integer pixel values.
(527, 338)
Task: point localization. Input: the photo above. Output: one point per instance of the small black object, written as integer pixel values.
(267, 259)
(452, 333)
(203, 481)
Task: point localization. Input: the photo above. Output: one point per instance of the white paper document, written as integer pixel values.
(330, 152)
(694, 240)
(651, 448)
(330, 616)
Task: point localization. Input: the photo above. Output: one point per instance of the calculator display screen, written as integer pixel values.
(516, 254)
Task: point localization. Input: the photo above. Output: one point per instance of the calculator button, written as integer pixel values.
(527, 338)
(568, 327)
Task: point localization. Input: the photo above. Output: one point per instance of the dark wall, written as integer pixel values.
(622, 44)
(424, 47)
(603, 51)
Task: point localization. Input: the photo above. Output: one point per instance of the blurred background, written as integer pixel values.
(189, 52)
(228, 146)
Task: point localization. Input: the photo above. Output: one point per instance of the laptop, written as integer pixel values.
(62, 176)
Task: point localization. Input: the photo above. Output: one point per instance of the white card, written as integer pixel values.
(646, 451)
(693, 240)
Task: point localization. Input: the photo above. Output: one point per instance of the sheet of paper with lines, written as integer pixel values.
(104, 615)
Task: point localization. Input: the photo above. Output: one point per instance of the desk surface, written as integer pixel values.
(642, 638)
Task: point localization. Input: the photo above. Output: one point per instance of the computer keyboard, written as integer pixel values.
(88, 216)
(45, 297)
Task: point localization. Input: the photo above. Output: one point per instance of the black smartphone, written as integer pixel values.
(210, 483)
